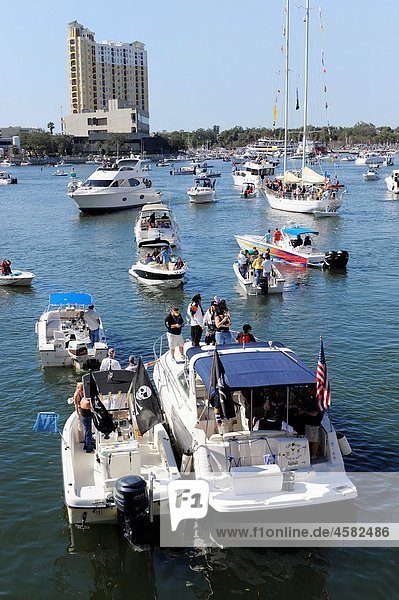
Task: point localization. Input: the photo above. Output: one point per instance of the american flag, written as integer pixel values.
(323, 390)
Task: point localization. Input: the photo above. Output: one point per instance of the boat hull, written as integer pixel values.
(157, 277)
(96, 201)
(22, 279)
(306, 205)
(201, 197)
(280, 254)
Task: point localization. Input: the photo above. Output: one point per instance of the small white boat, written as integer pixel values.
(17, 278)
(153, 273)
(327, 212)
(7, 163)
(267, 285)
(392, 181)
(93, 482)
(248, 190)
(188, 170)
(371, 174)
(62, 163)
(7, 178)
(203, 191)
(60, 173)
(295, 250)
(62, 335)
(156, 227)
(253, 172)
(247, 469)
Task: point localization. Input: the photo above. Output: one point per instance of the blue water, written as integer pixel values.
(356, 312)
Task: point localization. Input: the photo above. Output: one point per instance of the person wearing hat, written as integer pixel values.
(196, 315)
(110, 363)
(174, 325)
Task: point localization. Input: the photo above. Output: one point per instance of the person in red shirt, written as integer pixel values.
(277, 235)
(6, 267)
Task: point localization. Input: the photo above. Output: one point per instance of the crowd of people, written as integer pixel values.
(163, 257)
(260, 263)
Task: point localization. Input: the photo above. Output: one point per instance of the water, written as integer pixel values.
(356, 312)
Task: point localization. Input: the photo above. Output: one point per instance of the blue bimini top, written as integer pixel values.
(65, 298)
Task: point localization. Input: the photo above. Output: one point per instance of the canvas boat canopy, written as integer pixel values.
(309, 176)
(259, 367)
(109, 381)
(65, 298)
(299, 231)
(289, 177)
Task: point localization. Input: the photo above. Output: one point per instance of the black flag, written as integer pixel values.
(220, 396)
(297, 100)
(145, 401)
(101, 418)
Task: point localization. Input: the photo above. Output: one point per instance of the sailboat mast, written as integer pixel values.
(287, 40)
(305, 95)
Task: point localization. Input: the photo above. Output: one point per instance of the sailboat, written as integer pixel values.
(309, 191)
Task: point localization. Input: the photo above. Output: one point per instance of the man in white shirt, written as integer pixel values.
(110, 363)
(92, 321)
(267, 267)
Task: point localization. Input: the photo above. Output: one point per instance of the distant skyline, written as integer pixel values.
(212, 63)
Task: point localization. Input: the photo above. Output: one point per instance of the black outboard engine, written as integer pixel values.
(264, 285)
(336, 259)
(131, 500)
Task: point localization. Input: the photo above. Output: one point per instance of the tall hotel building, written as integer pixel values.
(108, 86)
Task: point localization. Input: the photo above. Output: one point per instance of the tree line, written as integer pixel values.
(45, 143)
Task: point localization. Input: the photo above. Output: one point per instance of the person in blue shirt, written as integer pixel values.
(268, 236)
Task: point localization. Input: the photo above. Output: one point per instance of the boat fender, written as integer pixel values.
(343, 444)
(186, 462)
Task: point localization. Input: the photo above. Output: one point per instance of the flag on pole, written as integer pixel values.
(102, 420)
(220, 394)
(323, 390)
(145, 400)
(297, 100)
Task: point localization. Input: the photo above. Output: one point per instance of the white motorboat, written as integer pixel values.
(60, 173)
(371, 174)
(7, 163)
(185, 170)
(153, 273)
(323, 214)
(253, 172)
(392, 181)
(93, 482)
(62, 163)
(203, 191)
(247, 470)
(369, 158)
(7, 178)
(63, 337)
(156, 227)
(248, 190)
(295, 250)
(17, 278)
(274, 284)
(114, 188)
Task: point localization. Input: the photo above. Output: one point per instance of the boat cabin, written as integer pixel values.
(154, 216)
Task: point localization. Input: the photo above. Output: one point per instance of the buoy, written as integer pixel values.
(344, 445)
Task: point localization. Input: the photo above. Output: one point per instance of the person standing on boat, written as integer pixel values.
(110, 363)
(174, 324)
(209, 323)
(92, 320)
(165, 255)
(223, 324)
(83, 408)
(196, 315)
(6, 267)
(268, 236)
(257, 267)
(242, 263)
(277, 236)
(267, 266)
(132, 366)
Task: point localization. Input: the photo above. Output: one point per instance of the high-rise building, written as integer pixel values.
(103, 71)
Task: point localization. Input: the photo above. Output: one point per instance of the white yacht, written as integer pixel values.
(392, 181)
(123, 460)
(369, 158)
(211, 404)
(112, 188)
(156, 227)
(203, 191)
(253, 172)
(371, 174)
(62, 335)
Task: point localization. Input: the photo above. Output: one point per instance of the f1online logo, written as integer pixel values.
(187, 500)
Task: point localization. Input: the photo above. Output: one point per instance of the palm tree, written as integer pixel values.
(51, 127)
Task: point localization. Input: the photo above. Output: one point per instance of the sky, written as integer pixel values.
(213, 62)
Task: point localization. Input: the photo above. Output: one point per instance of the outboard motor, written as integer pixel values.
(336, 259)
(131, 500)
(264, 285)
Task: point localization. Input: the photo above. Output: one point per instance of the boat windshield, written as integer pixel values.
(97, 183)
